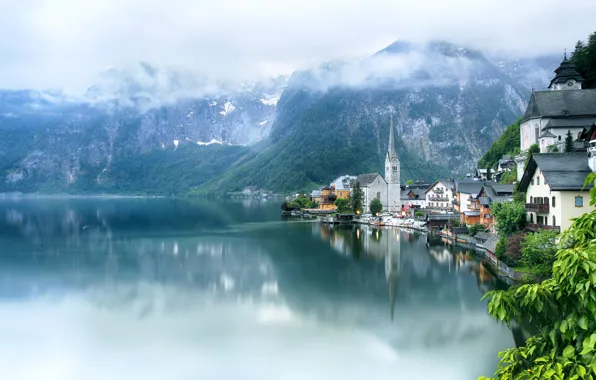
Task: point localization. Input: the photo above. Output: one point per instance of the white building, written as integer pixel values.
(413, 197)
(553, 185)
(387, 189)
(440, 195)
(564, 107)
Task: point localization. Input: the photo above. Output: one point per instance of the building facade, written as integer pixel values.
(551, 114)
(440, 195)
(553, 185)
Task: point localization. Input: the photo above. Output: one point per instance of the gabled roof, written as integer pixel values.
(445, 182)
(367, 179)
(562, 103)
(469, 187)
(547, 133)
(343, 182)
(562, 171)
(576, 122)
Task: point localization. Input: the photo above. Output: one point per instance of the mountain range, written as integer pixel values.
(158, 131)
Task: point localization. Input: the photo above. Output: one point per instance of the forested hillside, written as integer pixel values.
(584, 57)
(507, 144)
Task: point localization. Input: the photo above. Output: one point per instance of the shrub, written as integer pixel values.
(539, 251)
(509, 249)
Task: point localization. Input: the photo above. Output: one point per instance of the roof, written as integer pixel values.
(469, 187)
(547, 133)
(483, 235)
(562, 171)
(441, 216)
(366, 179)
(561, 103)
(445, 182)
(472, 213)
(343, 182)
(565, 72)
(566, 122)
(502, 189)
(485, 201)
(315, 193)
(491, 243)
(404, 195)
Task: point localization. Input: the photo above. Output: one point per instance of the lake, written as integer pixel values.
(121, 288)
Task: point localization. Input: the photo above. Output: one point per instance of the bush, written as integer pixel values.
(509, 249)
(473, 229)
(375, 206)
(343, 205)
(538, 252)
(419, 214)
(511, 217)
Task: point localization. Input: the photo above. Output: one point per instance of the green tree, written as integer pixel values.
(568, 142)
(419, 214)
(375, 206)
(343, 205)
(584, 58)
(510, 217)
(475, 228)
(562, 309)
(538, 252)
(507, 144)
(410, 182)
(356, 198)
(509, 177)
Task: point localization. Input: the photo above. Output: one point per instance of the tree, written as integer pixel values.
(475, 228)
(375, 206)
(343, 205)
(584, 58)
(509, 249)
(356, 198)
(568, 142)
(507, 144)
(410, 182)
(509, 177)
(419, 214)
(510, 217)
(538, 252)
(562, 309)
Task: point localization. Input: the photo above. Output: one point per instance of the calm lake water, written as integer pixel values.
(197, 290)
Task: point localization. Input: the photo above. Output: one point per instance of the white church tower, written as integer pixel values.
(392, 174)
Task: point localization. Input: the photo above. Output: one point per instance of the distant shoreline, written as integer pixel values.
(74, 196)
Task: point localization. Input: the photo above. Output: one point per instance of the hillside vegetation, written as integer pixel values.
(507, 144)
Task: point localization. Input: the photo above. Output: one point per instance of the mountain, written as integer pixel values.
(159, 131)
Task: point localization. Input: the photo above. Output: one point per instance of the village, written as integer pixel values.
(558, 152)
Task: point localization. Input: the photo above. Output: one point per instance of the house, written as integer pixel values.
(440, 195)
(489, 194)
(467, 203)
(553, 184)
(439, 221)
(315, 196)
(249, 190)
(342, 185)
(412, 199)
(327, 199)
(506, 164)
(564, 107)
(484, 174)
(388, 189)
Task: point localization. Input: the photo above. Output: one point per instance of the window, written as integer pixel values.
(559, 138)
(546, 201)
(532, 181)
(536, 133)
(531, 218)
(554, 221)
(538, 180)
(379, 195)
(531, 199)
(553, 201)
(579, 201)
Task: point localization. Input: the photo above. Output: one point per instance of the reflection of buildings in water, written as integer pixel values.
(392, 272)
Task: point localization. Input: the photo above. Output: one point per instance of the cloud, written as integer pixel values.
(66, 43)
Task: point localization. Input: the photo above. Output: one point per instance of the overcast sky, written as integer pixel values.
(66, 43)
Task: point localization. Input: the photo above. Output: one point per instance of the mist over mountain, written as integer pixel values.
(164, 131)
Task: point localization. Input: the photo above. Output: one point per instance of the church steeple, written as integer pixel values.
(392, 173)
(391, 146)
(567, 77)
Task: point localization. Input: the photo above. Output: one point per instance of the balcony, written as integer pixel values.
(534, 227)
(438, 199)
(537, 208)
(438, 191)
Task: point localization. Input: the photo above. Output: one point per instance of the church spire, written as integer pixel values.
(391, 147)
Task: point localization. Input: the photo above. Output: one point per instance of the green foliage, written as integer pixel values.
(562, 309)
(475, 228)
(356, 198)
(552, 149)
(538, 252)
(509, 177)
(419, 214)
(410, 182)
(509, 249)
(507, 144)
(375, 206)
(534, 148)
(568, 142)
(455, 223)
(584, 57)
(510, 217)
(343, 205)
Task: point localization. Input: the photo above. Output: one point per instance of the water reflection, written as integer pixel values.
(159, 289)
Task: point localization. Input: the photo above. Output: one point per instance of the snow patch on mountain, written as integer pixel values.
(213, 141)
(228, 108)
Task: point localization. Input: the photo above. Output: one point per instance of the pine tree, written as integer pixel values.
(569, 143)
(356, 198)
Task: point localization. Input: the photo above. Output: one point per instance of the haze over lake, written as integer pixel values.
(175, 289)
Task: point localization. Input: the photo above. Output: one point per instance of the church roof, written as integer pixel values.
(391, 152)
(565, 72)
(583, 122)
(562, 171)
(563, 103)
(547, 133)
(367, 179)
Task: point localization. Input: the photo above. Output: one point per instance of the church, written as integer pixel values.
(564, 107)
(387, 189)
